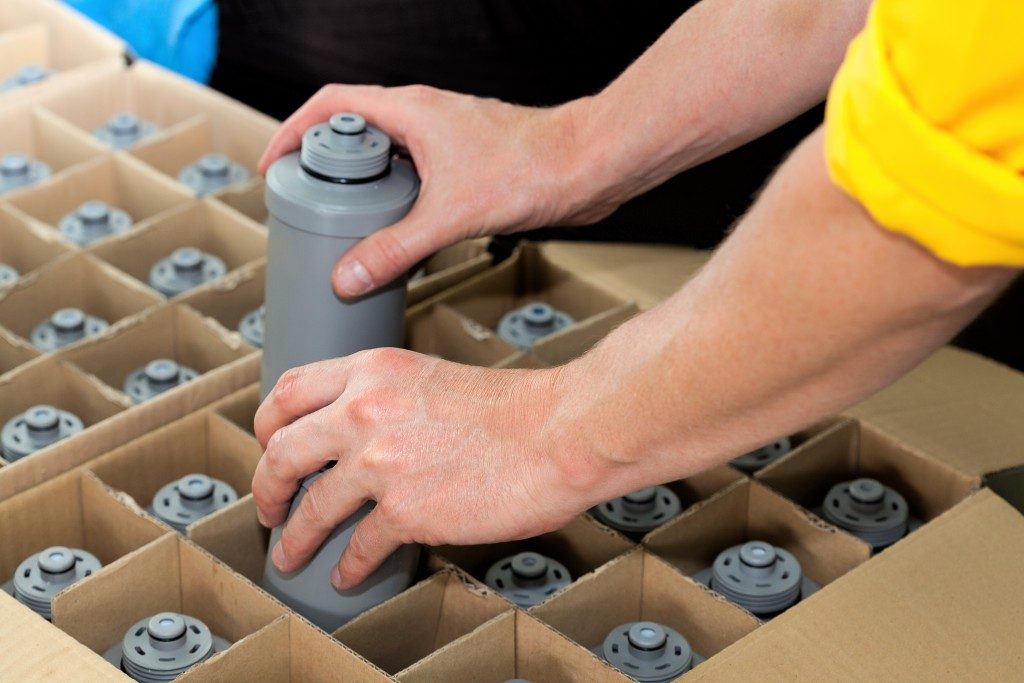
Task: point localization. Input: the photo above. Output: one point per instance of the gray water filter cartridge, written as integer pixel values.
(527, 579)
(44, 574)
(35, 429)
(640, 512)
(18, 171)
(26, 75)
(123, 130)
(754, 460)
(870, 510)
(525, 326)
(162, 647)
(759, 577)
(183, 270)
(158, 376)
(648, 652)
(189, 499)
(93, 221)
(212, 172)
(251, 327)
(8, 275)
(65, 327)
(308, 590)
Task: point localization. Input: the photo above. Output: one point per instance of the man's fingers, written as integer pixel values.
(371, 543)
(298, 392)
(328, 502)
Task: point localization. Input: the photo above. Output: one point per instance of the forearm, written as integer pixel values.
(807, 308)
(725, 73)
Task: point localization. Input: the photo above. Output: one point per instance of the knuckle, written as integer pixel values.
(391, 251)
(419, 93)
(366, 408)
(313, 508)
(287, 389)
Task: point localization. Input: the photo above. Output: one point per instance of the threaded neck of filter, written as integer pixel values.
(345, 150)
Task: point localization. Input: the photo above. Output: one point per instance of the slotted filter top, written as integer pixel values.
(162, 647)
(211, 173)
(251, 327)
(19, 170)
(527, 578)
(641, 511)
(758, 576)
(870, 510)
(44, 574)
(190, 498)
(8, 274)
(648, 652)
(36, 428)
(755, 460)
(184, 269)
(524, 326)
(65, 327)
(26, 75)
(155, 378)
(92, 221)
(124, 130)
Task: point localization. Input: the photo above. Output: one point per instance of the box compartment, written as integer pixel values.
(231, 298)
(26, 247)
(37, 133)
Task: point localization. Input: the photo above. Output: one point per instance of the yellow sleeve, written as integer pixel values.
(925, 125)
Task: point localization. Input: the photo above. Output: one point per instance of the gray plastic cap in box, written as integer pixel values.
(66, 326)
(26, 75)
(184, 269)
(649, 652)
(870, 510)
(8, 275)
(524, 326)
(251, 327)
(158, 376)
(528, 578)
(37, 428)
(44, 574)
(639, 512)
(212, 172)
(162, 647)
(191, 498)
(755, 460)
(92, 221)
(18, 170)
(124, 130)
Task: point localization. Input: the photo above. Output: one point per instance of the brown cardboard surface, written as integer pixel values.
(400, 632)
(642, 587)
(14, 352)
(248, 200)
(21, 46)
(24, 246)
(235, 537)
(442, 331)
(449, 267)
(240, 407)
(43, 136)
(957, 407)
(230, 298)
(945, 604)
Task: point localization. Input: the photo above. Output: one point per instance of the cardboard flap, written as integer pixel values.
(945, 604)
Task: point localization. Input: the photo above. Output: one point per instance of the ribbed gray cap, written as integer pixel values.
(345, 149)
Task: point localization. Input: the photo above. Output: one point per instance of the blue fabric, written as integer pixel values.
(178, 34)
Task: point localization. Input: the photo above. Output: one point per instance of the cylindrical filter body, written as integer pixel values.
(309, 591)
(44, 574)
(93, 221)
(35, 429)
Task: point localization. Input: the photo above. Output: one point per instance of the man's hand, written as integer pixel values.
(450, 453)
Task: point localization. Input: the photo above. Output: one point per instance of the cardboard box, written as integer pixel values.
(44, 137)
(512, 645)
(409, 627)
(232, 297)
(14, 352)
(449, 267)
(240, 407)
(24, 246)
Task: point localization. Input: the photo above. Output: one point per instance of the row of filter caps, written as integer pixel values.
(756, 575)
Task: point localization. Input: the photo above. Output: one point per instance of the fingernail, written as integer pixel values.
(354, 279)
(336, 577)
(278, 557)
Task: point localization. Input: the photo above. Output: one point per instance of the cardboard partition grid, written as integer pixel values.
(248, 200)
(203, 443)
(574, 341)
(174, 332)
(167, 575)
(14, 352)
(582, 546)
(746, 511)
(442, 331)
(398, 633)
(235, 537)
(642, 587)
(120, 181)
(75, 39)
(74, 510)
(27, 45)
(37, 133)
(24, 246)
(289, 650)
(231, 298)
(76, 280)
(55, 382)
(240, 407)
(851, 449)
(207, 225)
(512, 645)
(449, 267)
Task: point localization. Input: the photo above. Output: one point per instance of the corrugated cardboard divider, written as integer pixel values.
(449, 267)
(574, 341)
(229, 299)
(45, 137)
(22, 46)
(442, 331)
(582, 546)
(642, 587)
(168, 575)
(850, 450)
(25, 246)
(79, 281)
(208, 225)
(944, 604)
(235, 537)
(240, 407)
(512, 645)
(14, 351)
(199, 443)
(76, 40)
(249, 200)
(288, 650)
(120, 181)
(747, 511)
(410, 626)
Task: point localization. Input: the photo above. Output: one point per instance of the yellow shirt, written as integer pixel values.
(925, 125)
